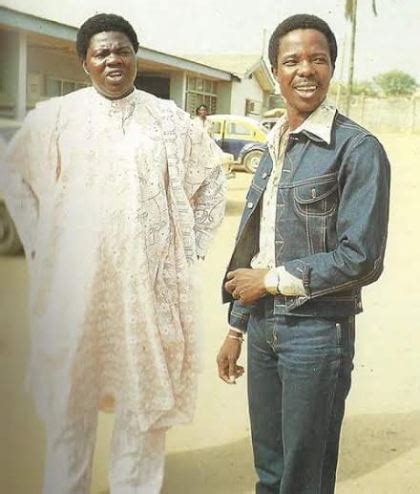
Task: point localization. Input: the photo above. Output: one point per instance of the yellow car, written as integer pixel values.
(243, 137)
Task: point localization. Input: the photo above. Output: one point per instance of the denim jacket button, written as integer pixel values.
(265, 175)
(249, 205)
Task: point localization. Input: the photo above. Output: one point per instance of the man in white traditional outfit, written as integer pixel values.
(115, 195)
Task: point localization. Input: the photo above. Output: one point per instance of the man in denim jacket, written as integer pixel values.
(313, 232)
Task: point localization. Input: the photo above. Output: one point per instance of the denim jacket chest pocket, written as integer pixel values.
(317, 196)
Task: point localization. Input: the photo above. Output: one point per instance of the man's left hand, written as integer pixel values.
(246, 285)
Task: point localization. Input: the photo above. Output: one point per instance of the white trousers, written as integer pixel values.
(137, 458)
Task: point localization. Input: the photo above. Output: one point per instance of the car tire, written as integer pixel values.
(9, 239)
(251, 160)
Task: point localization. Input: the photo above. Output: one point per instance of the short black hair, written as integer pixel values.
(101, 23)
(301, 21)
(199, 108)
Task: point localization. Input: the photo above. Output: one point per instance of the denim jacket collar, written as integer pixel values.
(318, 126)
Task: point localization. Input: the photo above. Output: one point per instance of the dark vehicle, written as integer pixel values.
(241, 136)
(271, 117)
(9, 239)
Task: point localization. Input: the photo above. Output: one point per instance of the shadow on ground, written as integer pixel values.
(369, 442)
(234, 208)
(373, 440)
(221, 469)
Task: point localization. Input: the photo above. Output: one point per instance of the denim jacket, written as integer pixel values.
(331, 221)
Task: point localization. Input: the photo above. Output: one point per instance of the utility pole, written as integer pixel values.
(352, 53)
(341, 74)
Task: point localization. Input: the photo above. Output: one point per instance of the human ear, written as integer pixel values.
(85, 67)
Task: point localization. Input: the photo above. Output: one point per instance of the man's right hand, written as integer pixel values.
(227, 357)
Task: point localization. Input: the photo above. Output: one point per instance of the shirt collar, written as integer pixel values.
(319, 123)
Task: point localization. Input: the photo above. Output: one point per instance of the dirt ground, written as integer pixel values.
(380, 451)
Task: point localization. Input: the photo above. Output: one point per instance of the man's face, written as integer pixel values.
(111, 64)
(304, 71)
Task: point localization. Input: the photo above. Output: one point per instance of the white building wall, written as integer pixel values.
(243, 90)
(55, 63)
(224, 97)
(178, 88)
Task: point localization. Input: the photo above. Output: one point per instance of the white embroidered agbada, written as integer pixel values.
(113, 200)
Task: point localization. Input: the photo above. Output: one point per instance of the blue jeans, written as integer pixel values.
(299, 374)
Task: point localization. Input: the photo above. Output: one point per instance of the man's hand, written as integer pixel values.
(246, 285)
(228, 355)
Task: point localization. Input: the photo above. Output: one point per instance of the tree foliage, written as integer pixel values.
(368, 88)
(364, 87)
(396, 83)
(350, 7)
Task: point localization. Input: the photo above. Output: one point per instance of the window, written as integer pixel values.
(53, 87)
(60, 87)
(199, 85)
(239, 129)
(216, 126)
(68, 87)
(201, 91)
(191, 83)
(253, 107)
(35, 87)
(81, 85)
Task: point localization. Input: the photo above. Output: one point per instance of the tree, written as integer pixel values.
(366, 88)
(350, 14)
(396, 83)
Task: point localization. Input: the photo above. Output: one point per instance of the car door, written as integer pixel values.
(217, 130)
(237, 134)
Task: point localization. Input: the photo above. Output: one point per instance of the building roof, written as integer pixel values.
(13, 19)
(241, 64)
(238, 63)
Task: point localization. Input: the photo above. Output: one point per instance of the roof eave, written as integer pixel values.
(184, 64)
(30, 23)
(264, 75)
(27, 22)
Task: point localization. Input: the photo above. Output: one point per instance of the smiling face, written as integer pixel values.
(111, 64)
(304, 71)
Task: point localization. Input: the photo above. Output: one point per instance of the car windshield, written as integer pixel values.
(217, 124)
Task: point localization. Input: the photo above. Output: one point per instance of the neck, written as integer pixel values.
(116, 96)
(296, 119)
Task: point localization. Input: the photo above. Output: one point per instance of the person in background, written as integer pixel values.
(312, 234)
(201, 120)
(115, 195)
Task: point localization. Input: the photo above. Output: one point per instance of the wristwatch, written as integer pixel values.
(271, 282)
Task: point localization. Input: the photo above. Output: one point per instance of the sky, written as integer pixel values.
(386, 42)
